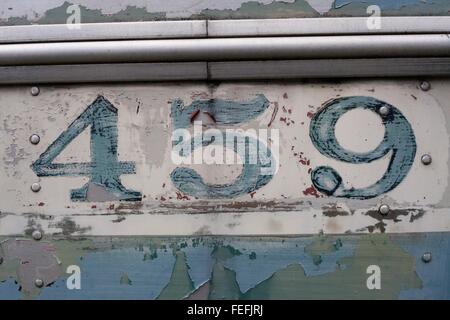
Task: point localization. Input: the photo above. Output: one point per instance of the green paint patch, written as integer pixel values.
(397, 273)
(223, 284)
(222, 253)
(153, 254)
(125, 280)
(180, 284)
(257, 10)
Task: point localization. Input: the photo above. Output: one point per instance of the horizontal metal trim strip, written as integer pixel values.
(88, 73)
(226, 49)
(329, 68)
(104, 31)
(327, 26)
(222, 28)
(235, 70)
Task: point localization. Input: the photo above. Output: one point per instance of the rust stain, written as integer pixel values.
(311, 191)
(181, 196)
(393, 215)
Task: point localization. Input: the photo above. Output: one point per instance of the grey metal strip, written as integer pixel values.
(226, 49)
(329, 68)
(327, 26)
(87, 73)
(104, 31)
(236, 70)
(222, 28)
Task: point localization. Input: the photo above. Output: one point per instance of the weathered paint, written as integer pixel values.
(240, 267)
(134, 124)
(105, 169)
(398, 138)
(22, 12)
(285, 203)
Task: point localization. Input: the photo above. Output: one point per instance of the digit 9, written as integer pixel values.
(398, 138)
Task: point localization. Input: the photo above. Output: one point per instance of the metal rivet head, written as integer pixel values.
(39, 283)
(426, 257)
(426, 159)
(35, 91)
(425, 86)
(35, 139)
(384, 111)
(384, 209)
(36, 187)
(37, 235)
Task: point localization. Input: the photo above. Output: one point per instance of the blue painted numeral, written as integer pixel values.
(224, 113)
(104, 169)
(398, 138)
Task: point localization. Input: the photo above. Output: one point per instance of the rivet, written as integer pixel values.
(37, 235)
(426, 257)
(39, 283)
(425, 86)
(35, 91)
(35, 139)
(36, 187)
(384, 209)
(384, 110)
(426, 159)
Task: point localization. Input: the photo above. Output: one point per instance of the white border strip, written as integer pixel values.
(327, 26)
(104, 31)
(284, 223)
(221, 28)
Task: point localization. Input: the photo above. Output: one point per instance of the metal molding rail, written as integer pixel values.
(225, 50)
(222, 28)
(232, 70)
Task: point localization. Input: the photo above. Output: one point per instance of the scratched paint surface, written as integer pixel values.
(105, 163)
(319, 266)
(20, 12)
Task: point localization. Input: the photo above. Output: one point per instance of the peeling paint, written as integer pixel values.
(21, 12)
(280, 268)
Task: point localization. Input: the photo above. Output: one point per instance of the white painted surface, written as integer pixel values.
(144, 138)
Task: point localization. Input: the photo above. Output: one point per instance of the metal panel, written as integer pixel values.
(285, 203)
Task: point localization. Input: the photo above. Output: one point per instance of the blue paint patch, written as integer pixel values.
(398, 138)
(435, 275)
(105, 168)
(200, 263)
(274, 256)
(10, 290)
(102, 271)
(224, 112)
